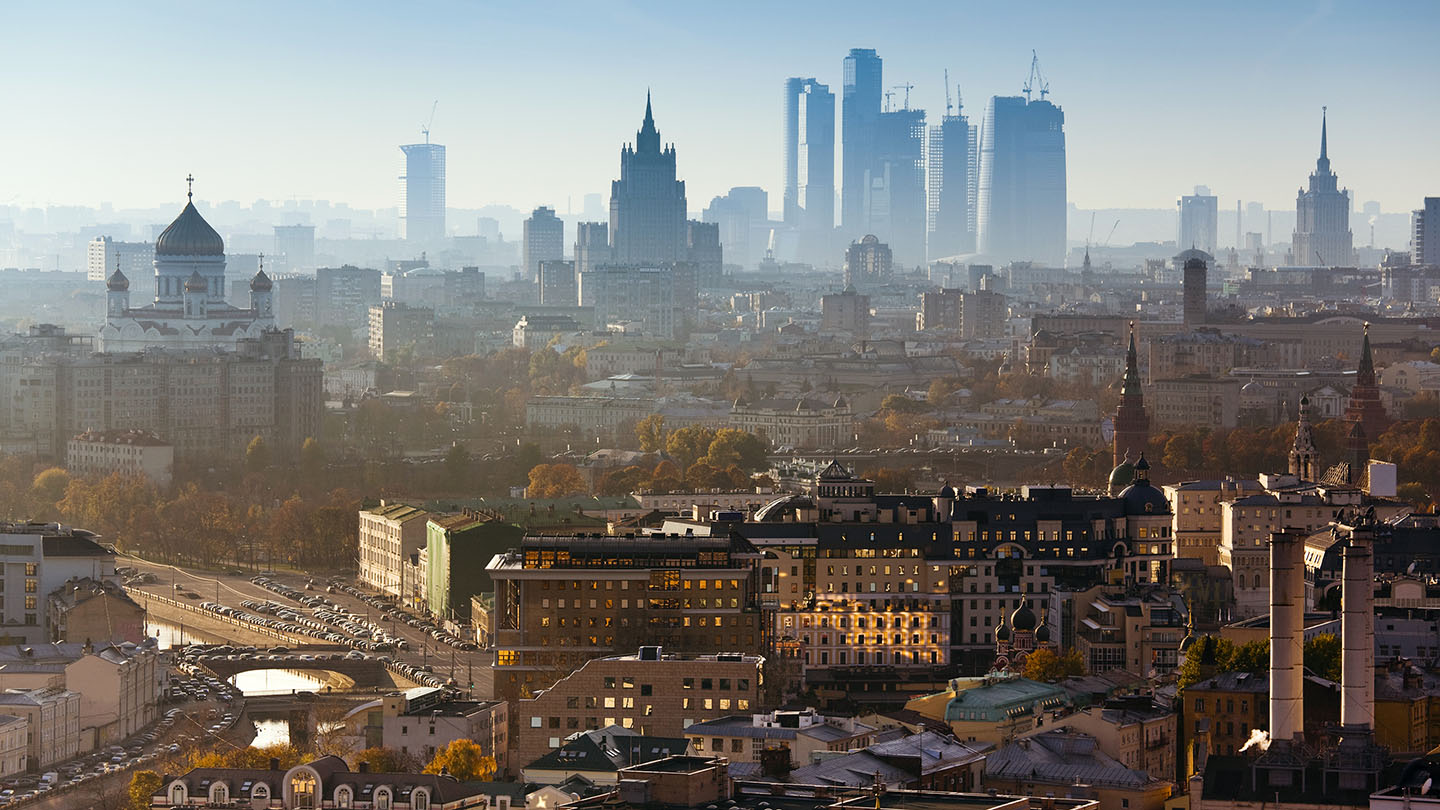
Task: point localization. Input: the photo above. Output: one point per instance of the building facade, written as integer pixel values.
(103, 256)
(389, 534)
(647, 203)
(800, 422)
(127, 452)
(809, 154)
(860, 112)
(1322, 217)
(544, 240)
(1199, 221)
(951, 179)
(1021, 208)
(422, 204)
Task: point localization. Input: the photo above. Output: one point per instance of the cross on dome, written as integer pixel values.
(189, 186)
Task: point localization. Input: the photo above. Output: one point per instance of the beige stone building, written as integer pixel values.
(804, 734)
(127, 452)
(1198, 514)
(654, 693)
(1138, 633)
(1136, 731)
(389, 534)
(14, 745)
(52, 714)
(802, 422)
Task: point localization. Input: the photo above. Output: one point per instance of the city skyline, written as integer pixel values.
(333, 134)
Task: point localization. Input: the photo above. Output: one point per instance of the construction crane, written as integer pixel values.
(907, 87)
(425, 127)
(1111, 234)
(948, 106)
(1036, 81)
(888, 94)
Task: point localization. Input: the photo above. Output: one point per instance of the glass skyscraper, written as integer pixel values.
(809, 151)
(422, 206)
(860, 110)
(1021, 214)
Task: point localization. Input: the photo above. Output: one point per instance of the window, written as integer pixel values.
(342, 796)
(219, 793)
(382, 798)
(420, 799)
(177, 793)
(302, 790)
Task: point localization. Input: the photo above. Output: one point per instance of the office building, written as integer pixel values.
(868, 261)
(803, 422)
(592, 246)
(295, 246)
(644, 296)
(189, 310)
(895, 193)
(424, 720)
(563, 600)
(1021, 207)
(950, 193)
(1199, 218)
(344, 295)
(809, 151)
(395, 327)
(103, 256)
(140, 453)
(1322, 217)
(860, 111)
(1425, 234)
(556, 283)
(422, 205)
(544, 240)
(457, 550)
(208, 405)
(647, 203)
(653, 692)
(704, 252)
(847, 312)
(744, 223)
(389, 535)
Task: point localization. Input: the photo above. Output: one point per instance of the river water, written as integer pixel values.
(253, 682)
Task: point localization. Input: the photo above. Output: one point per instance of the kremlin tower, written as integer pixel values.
(1132, 425)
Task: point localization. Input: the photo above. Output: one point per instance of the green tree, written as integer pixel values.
(688, 444)
(1322, 656)
(46, 491)
(257, 456)
(143, 785)
(1252, 656)
(738, 447)
(463, 759)
(650, 431)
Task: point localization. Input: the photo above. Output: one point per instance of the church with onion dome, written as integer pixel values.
(189, 310)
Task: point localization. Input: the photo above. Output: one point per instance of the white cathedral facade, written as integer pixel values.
(189, 310)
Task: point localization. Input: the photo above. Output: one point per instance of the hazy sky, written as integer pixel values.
(117, 102)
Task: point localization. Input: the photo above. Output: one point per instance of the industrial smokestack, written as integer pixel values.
(1287, 646)
(1357, 629)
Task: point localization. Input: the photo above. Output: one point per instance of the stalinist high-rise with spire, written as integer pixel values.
(1322, 217)
(647, 203)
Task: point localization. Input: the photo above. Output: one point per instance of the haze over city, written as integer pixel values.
(739, 406)
(281, 101)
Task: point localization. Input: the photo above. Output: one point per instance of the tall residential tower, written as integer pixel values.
(950, 228)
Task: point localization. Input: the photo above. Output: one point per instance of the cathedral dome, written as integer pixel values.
(1002, 633)
(261, 282)
(1042, 633)
(117, 282)
(196, 283)
(1123, 474)
(1023, 619)
(190, 235)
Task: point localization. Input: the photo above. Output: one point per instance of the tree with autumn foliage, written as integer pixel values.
(463, 759)
(555, 481)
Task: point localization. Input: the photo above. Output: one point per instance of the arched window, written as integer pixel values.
(177, 793)
(219, 793)
(420, 799)
(302, 790)
(382, 798)
(260, 791)
(342, 796)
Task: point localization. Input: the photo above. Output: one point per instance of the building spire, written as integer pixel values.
(1324, 150)
(1130, 383)
(1365, 375)
(648, 138)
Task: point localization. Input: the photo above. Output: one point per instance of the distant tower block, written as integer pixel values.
(1194, 286)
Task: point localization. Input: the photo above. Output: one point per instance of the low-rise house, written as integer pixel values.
(1072, 764)
(323, 782)
(803, 733)
(599, 756)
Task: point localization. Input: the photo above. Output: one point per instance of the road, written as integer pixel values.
(231, 590)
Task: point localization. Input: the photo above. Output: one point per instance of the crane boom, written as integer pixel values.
(947, 93)
(425, 127)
